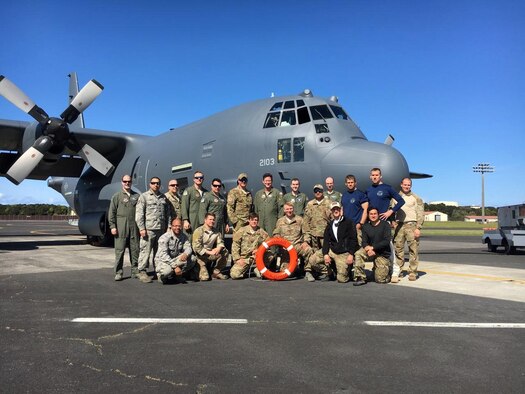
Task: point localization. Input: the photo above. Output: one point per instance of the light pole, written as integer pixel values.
(483, 168)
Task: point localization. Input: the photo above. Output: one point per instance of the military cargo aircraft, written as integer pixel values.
(300, 136)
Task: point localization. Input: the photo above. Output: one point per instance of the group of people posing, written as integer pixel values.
(334, 234)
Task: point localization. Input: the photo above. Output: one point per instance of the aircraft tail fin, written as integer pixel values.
(73, 91)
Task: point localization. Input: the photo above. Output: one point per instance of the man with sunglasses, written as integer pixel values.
(121, 218)
(215, 202)
(173, 197)
(153, 215)
(190, 205)
(239, 204)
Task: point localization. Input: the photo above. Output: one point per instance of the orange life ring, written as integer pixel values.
(271, 274)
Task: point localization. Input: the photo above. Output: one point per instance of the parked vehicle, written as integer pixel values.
(511, 232)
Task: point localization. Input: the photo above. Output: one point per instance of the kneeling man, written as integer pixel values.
(375, 247)
(174, 255)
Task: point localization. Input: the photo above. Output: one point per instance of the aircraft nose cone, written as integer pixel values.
(358, 157)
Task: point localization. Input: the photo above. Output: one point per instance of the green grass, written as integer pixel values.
(456, 228)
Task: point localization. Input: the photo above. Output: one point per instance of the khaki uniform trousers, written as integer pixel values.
(405, 233)
(381, 266)
(317, 264)
(238, 270)
(205, 262)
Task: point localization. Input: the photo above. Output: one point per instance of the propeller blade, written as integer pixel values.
(82, 100)
(14, 95)
(96, 160)
(29, 160)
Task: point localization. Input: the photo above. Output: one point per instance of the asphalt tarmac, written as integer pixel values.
(69, 327)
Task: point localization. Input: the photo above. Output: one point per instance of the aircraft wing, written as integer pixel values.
(111, 145)
(418, 175)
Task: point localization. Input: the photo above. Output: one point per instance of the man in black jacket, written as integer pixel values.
(374, 248)
(339, 246)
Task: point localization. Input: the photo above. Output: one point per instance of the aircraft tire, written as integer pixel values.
(259, 259)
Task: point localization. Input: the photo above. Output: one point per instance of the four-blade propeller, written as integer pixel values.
(55, 133)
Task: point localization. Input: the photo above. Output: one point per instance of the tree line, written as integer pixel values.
(34, 209)
(459, 213)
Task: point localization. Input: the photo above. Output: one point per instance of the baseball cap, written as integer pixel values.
(335, 204)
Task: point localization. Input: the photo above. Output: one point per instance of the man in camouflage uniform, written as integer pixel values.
(153, 214)
(208, 246)
(173, 197)
(239, 203)
(190, 204)
(174, 256)
(290, 227)
(246, 241)
(298, 199)
(330, 193)
(215, 202)
(267, 204)
(409, 220)
(121, 218)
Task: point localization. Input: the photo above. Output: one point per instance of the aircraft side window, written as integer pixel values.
(320, 112)
(339, 112)
(322, 128)
(303, 115)
(288, 118)
(289, 104)
(272, 119)
(300, 103)
(284, 150)
(298, 149)
(277, 106)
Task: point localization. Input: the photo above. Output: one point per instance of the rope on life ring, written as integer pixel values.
(259, 260)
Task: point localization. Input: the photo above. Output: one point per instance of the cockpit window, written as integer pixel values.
(320, 112)
(300, 103)
(339, 112)
(272, 119)
(288, 118)
(289, 104)
(277, 106)
(303, 115)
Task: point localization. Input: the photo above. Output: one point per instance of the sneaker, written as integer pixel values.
(412, 276)
(325, 278)
(359, 282)
(118, 277)
(394, 279)
(257, 273)
(162, 279)
(144, 277)
(219, 275)
(309, 277)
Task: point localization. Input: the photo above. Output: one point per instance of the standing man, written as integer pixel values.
(215, 202)
(298, 199)
(239, 204)
(380, 195)
(173, 197)
(316, 217)
(246, 241)
(268, 203)
(330, 193)
(208, 246)
(409, 220)
(121, 218)
(339, 246)
(355, 204)
(174, 256)
(377, 236)
(290, 227)
(190, 205)
(153, 214)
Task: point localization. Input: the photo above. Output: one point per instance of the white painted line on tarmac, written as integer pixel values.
(156, 320)
(443, 324)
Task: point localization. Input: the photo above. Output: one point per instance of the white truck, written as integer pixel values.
(511, 232)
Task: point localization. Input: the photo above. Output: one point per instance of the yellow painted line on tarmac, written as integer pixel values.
(476, 276)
